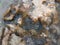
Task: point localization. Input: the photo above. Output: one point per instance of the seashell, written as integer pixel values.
(43, 35)
(20, 21)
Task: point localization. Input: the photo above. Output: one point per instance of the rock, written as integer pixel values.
(9, 17)
(31, 22)
(5, 39)
(15, 40)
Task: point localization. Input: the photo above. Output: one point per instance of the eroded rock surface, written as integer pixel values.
(31, 22)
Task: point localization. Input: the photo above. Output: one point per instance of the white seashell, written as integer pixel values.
(19, 21)
(43, 34)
